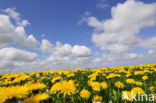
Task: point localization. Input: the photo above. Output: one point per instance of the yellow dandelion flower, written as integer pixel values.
(127, 95)
(56, 78)
(85, 94)
(68, 87)
(56, 87)
(130, 81)
(119, 84)
(139, 83)
(152, 88)
(139, 73)
(35, 86)
(71, 75)
(97, 98)
(144, 77)
(137, 90)
(128, 74)
(36, 98)
(13, 92)
(95, 86)
(103, 85)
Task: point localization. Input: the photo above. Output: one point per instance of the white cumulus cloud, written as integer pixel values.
(13, 54)
(119, 34)
(29, 42)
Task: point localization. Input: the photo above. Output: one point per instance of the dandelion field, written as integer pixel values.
(101, 85)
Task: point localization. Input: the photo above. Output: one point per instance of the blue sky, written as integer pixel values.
(59, 21)
(58, 18)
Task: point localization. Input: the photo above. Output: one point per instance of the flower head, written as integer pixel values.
(68, 87)
(97, 98)
(119, 84)
(103, 85)
(144, 77)
(85, 94)
(36, 98)
(137, 90)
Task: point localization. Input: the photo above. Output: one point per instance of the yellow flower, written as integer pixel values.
(36, 98)
(85, 94)
(103, 85)
(127, 95)
(56, 78)
(144, 77)
(35, 86)
(95, 85)
(13, 92)
(139, 73)
(137, 90)
(71, 75)
(112, 75)
(119, 84)
(97, 98)
(20, 78)
(130, 81)
(68, 87)
(56, 87)
(139, 83)
(128, 75)
(152, 88)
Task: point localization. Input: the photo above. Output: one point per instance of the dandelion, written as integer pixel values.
(71, 75)
(95, 86)
(139, 83)
(68, 87)
(35, 86)
(97, 98)
(119, 84)
(128, 95)
(137, 90)
(36, 98)
(13, 92)
(130, 81)
(85, 94)
(56, 87)
(56, 78)
(144, 77)
(152, 88)
(103, 85)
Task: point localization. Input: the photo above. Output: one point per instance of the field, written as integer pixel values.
(123, 84)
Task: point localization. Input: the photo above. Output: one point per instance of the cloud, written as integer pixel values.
(81, 51)
(115, 37)
(46, 46)
(13, 54)
(83, 17)
(120, 57)
(149, 43)
(64, 50)
(10, 34)
(102, 4)
(17, 60)
(55, 55)
(119, 34)
(65, 53)
(43, 35)
(30, 42)
(16, 16)
(12, 13)
(124, 59)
